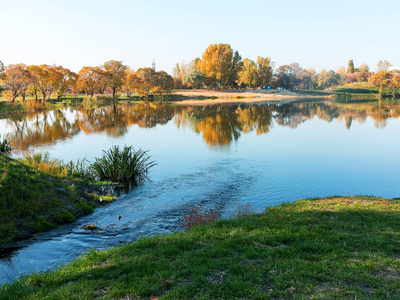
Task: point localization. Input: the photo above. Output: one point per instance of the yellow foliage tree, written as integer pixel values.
(115, 72)
(381, 80)
(216, 64)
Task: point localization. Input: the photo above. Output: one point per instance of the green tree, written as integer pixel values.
(327, 79)
(235, 68)
(284, 76)
(350, 67)
(115, 74)
(2, 70)
(194, 79)
(264, 71)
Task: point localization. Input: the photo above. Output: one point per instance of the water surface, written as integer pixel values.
(212, 156)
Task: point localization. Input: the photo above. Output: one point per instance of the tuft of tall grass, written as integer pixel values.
(80, 169)
(42, 162)
(5, 146)
(127, 166)
(199, 217)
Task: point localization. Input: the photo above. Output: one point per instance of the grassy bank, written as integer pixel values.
(32, 201)
(342, 247)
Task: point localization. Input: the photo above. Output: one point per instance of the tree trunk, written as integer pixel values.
(381, 91)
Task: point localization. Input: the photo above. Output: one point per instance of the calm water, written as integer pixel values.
(212, 156)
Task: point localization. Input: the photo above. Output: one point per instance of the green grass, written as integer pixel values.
(32, 201)
(335, 248)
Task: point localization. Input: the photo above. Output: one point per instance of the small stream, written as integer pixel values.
(156, 208)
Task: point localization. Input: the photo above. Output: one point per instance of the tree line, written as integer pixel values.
(222, 67)
(112, 77)
(219, 67)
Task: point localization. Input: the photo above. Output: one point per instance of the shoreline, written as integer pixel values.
(239, 96)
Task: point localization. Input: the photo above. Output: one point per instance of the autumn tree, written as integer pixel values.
(216, 65)
(146, 80)
(64, 80)
(34, 81)
(247, 75)
(90, 80)
(162, 83)
(47, 78)
(395, 84)
(383, 66)
(381, 80)
(15, 80)
(115, 74)
(363, 68)
(131, 82)
(178, 73)
(350, 67)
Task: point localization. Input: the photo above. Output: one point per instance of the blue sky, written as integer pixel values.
(314, 33)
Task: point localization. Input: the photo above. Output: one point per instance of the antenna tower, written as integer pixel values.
(153, 65)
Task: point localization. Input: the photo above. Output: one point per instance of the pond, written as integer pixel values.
(219, 156)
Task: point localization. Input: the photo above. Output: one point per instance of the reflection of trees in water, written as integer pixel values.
(219, 125)
(48, 127)
(42, 128)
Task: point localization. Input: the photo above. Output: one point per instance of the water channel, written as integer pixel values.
(217, 156)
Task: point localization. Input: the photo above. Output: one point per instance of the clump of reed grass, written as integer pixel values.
(80, 168)
(126, 165)
(5, 146)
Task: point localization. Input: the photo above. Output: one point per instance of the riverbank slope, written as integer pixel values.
(32, 201)
(339, 247)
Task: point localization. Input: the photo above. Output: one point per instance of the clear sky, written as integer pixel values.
(314, 33)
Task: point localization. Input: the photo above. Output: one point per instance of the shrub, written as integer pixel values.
(5, 146)
(34, 105)
(199, 217)
(126, 166)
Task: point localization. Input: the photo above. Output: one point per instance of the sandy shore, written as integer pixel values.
(238, 96)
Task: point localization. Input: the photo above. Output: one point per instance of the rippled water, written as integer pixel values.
(214, 157)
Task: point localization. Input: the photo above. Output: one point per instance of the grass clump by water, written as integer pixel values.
(126, 165)
(42, 162)
(333, 248)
